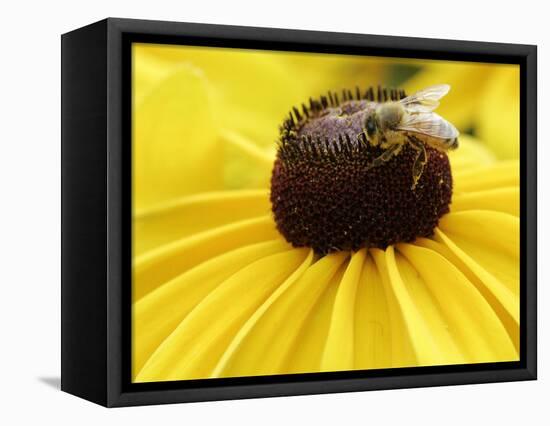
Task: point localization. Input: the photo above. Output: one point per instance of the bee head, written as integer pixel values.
(371, 125)
(389, 115)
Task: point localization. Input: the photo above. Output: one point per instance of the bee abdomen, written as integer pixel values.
(453, 143)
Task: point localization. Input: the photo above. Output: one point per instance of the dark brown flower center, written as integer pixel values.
(324, 195)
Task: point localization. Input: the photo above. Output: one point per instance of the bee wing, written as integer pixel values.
(429, 124)
(425, 100)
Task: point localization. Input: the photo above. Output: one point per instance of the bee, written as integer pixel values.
(412, 121)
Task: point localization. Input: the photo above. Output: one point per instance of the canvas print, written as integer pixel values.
(306, 212)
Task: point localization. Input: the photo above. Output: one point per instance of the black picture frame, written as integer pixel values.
(96, 211)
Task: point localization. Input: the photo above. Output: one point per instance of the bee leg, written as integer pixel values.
(385, 156)
(420, 160)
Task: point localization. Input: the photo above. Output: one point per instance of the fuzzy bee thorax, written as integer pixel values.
(389, 115)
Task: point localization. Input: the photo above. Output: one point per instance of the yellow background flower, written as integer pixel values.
(217, 292)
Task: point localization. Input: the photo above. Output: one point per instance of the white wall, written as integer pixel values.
(30, 199)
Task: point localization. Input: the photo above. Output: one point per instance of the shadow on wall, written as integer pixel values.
(54, 382)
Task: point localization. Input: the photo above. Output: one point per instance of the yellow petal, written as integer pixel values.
(498, 116)
(491, 238)
(413, 310)
(247, 148)
(173, 133)
(490, 259)
(339, 348)
(402, 350)
(247, 165)
(147, 73)
(471, 154)
(162, 264)
(197, 344)
(504, 200)
(189, 215)
(372, 323)
(460, 106)
(322, 73)
(158, 313)
(310, 342)
(499, 175)
(467, 328)
(262, 346)
(251, 91)
(503, 303)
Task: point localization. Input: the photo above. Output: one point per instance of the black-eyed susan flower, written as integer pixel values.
(230, 281)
